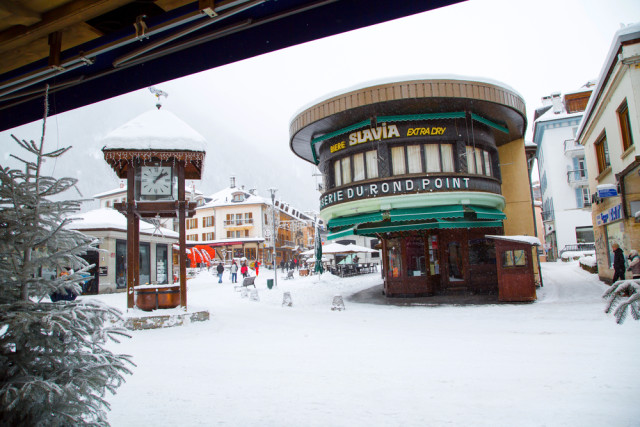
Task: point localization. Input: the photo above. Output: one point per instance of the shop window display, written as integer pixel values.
(394, 254)
(417, 265)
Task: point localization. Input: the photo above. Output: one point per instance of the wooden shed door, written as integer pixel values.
(515, 273)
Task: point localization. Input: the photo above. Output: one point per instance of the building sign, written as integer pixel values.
(400, 186)
(383, 132)
(610, 215)
(607, 190)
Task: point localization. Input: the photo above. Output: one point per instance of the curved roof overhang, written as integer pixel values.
(88, 51)
(494, 103)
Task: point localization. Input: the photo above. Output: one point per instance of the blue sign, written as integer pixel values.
(610, 215)
(607, 192)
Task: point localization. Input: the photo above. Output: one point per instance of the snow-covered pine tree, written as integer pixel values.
(54, 366)
(622, 297)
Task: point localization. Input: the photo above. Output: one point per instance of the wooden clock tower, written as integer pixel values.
(155, 165)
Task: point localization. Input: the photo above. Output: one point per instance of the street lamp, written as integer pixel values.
(273, 235)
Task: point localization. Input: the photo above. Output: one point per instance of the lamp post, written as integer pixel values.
(273, 235)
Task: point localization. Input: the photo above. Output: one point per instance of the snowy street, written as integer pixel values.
(560, 361)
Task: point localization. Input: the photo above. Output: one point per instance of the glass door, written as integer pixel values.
(145, 263)
(162, 264)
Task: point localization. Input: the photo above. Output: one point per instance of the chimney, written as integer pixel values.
(556, 100)
(546, 101)
(252, 191)
(233, 182)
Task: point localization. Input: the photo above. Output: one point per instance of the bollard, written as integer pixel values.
(286, 300)
(253, 296)
(244, 293)
(338, 303)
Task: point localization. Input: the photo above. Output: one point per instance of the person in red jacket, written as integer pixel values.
(256, 266)
(244, 269)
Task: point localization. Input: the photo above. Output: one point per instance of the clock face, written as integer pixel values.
(156, 180)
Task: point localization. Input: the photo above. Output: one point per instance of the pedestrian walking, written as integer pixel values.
(282, 265)
(220, 270)
(295, 263)
(256, 265)
(618, 263)
(244, 270)
(234, 272)
(634, 264)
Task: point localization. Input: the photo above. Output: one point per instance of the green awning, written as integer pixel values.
(356, 219)
(342, 233)
(429, 212)
(438, 224)
(487, 213)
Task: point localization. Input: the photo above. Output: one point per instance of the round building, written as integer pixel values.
(431, 167)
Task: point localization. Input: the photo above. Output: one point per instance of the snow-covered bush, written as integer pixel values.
(623, 297)
(575, 255)
(588, 263)
(54, 367)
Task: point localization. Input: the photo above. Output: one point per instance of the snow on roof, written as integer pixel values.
(155, 130)
(225, 197)
(549, 115)
(530, 144)
(405, 78)
(532, 240)
(625, 34)
(107, 218)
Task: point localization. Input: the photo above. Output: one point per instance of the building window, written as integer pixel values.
(371, 158)
(207, 221)
(487, 163)
(207, 236)
(346, 170)
(625, 125)
(337, 174)
(397, 161)
(479, 160)
(358, 167)
(432, 158)
(192, 237)
(583, 197)
(192, 223)
(514, 258)
(414, 159)
(248, 218)
(471, 160)
(602, 153)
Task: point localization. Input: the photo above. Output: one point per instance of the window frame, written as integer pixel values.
(624, 120)
(603, 159)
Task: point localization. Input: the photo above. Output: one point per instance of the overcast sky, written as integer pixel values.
(244, 109)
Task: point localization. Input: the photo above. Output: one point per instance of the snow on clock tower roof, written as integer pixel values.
(158, 130)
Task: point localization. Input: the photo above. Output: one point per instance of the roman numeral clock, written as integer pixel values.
(155, 152)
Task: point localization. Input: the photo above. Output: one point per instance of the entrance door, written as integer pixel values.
(455, 263)
(121, 264)
(162, 264)
(145, 263)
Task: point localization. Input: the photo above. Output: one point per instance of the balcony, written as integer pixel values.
(245, 222)
(547, 216)
(572, 148)
(577, 178)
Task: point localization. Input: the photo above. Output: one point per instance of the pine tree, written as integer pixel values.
(623, 297)
(54, 366)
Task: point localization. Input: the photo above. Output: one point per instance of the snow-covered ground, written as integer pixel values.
(557, 362)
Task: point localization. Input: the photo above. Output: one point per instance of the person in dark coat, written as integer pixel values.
(220, 270)
(618, 263)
